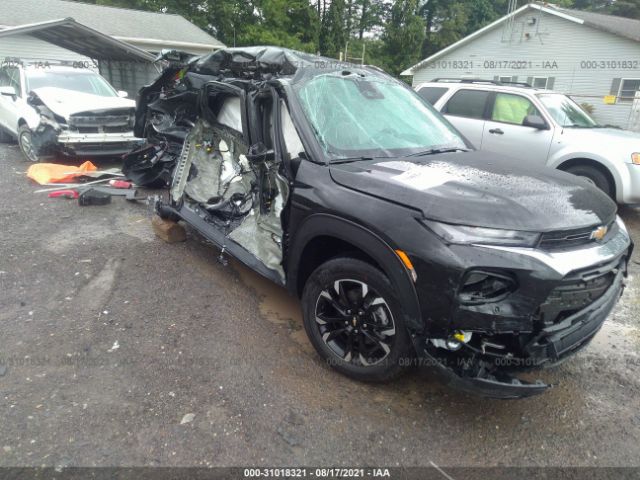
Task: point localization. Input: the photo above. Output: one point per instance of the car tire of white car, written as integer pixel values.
(26, 145)
(593, 176)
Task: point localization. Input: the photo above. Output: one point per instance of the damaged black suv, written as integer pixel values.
(404, 243)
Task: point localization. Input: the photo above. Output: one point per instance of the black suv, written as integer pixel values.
(405, 245)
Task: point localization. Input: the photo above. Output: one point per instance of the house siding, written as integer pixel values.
(539, 44)
(128, 76)
(27, 47)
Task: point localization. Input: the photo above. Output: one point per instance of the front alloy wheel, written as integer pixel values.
(354, 321)
(25, 142)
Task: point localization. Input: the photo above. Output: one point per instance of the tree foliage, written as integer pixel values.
(395, 33)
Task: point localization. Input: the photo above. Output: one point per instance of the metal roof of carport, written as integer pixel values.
(69, 34)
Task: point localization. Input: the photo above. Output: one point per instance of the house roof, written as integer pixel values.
(69, 34)
(623, 27)
(118, 22)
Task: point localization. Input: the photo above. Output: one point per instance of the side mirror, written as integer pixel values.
(258, 152)
(8, 91)
(535, 121)
(123, 94)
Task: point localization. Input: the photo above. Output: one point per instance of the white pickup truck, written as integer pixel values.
(63, 110)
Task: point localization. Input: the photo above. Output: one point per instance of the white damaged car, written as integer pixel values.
(62, 110)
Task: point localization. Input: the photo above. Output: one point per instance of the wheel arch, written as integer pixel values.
(611, 173)
(322, 236)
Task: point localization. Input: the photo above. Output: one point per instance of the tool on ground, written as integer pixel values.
(114, 172)
(72, 194)
(120, 184)
(71, 185)
(93, 196)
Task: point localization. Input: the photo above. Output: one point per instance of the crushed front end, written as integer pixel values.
(88, 133)
(522, 309)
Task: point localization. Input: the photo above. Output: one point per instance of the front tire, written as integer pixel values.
(595, 177)
(354, 320)
(25, 142)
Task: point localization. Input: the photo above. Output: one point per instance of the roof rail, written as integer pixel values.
(481, 81)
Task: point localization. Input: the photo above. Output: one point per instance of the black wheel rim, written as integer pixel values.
(27, 146)
(355, 322)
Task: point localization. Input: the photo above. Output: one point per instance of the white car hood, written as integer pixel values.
(68, 102)
(607, 140)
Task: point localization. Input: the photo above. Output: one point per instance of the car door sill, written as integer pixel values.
(210, 232)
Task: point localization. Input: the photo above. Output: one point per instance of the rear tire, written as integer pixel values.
(594, 176)
(25, 142)
(355, 322)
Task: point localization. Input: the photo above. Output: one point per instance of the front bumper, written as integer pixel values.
(97, 144)
(563, 300)
(631, 194)
(552, 344)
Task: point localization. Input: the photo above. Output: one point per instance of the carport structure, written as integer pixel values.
(124, 65)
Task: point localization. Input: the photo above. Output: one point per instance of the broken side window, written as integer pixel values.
(230, 113)
(292, 141)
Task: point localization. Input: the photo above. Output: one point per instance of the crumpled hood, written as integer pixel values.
(68, 102)
(604, 140)
(481, 189)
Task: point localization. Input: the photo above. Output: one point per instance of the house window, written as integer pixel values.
(540, 82)
(628, 89)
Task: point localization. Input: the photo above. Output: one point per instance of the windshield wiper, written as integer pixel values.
(434, 151)
(351, 159)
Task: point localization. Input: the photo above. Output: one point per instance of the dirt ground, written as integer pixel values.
(120, 350)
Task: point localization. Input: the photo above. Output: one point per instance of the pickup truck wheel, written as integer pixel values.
(354, 321)
(26, 144)
(593, 176)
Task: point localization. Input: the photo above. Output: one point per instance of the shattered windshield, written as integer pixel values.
(78, 82)
(360, 116)
(566, 112)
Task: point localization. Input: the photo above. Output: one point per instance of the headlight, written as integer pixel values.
(635, 158)
(465, 235)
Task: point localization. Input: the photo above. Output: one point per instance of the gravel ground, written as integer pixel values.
(120, 350)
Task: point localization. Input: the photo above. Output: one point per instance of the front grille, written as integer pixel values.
(559, 240)
(109, 129)
(115, 121)
(578, 290)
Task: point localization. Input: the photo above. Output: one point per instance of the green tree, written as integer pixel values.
(287, 23)
(403, 36)
(333, 35)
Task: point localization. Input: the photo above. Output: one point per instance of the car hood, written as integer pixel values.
(68, 102)
(603, 139)
(481, 189)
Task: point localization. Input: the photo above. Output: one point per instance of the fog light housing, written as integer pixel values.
(480, 287)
